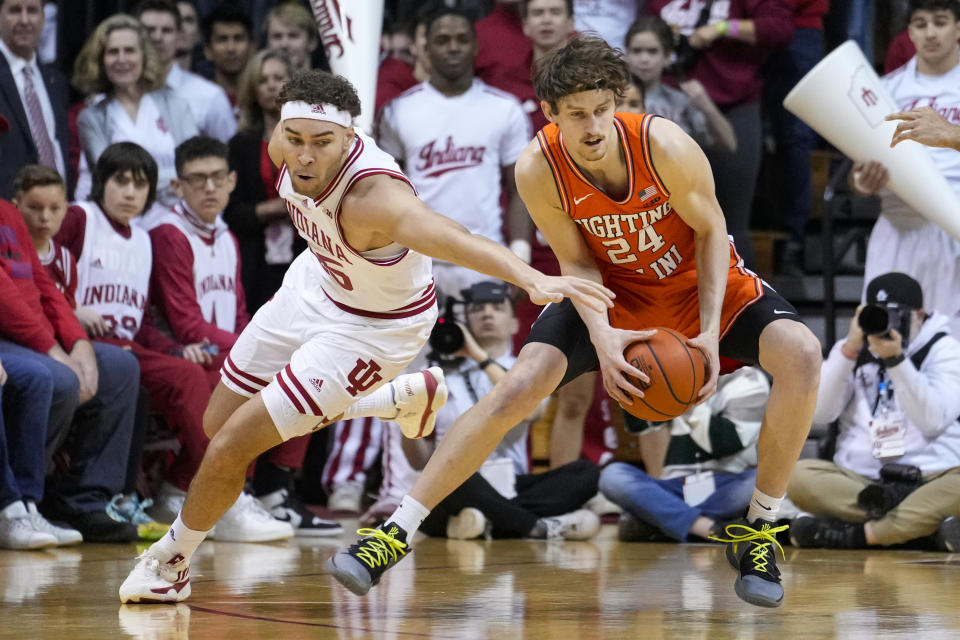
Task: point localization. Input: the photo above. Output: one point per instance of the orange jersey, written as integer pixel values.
(644, 250)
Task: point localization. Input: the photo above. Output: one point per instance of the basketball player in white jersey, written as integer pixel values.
(354, 310)
(902, 239)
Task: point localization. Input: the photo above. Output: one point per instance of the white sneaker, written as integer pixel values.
(168, 504)
(418, 397)
(470, 523)
(17, 530)
(155, 580)
(346, 497)
(602, 506)
(576, 525)
(248, 521)
(287, 507)
(64, 535)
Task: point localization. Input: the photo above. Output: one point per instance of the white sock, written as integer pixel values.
(180, 539)
(379, 404)
(17, 509)
(409, 516)
(763, 507)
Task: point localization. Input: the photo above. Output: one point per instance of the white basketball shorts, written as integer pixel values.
(310, 360)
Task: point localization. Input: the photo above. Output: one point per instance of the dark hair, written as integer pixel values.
(314, 87)
(119, 158)
(164, 6)
(199, 147)
(442, 11)
(655, 25)
(525, 4)
(952, 6)
(36, 175)
(585, 63)
(226, 13)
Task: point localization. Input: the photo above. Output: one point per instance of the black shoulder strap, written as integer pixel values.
(704, 15)
(918, 357)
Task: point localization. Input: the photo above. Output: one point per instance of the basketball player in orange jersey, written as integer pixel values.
(627, 200)
(354, 310)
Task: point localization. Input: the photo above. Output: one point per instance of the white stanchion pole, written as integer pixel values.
(350, 33)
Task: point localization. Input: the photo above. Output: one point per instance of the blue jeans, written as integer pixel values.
(94, 436)
(25, 399)
(660, 502)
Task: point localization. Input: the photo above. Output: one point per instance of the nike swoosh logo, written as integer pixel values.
(761, 506)
(781, 312)
(579, 200)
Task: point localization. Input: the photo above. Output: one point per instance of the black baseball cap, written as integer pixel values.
(895, 287)
(486, 292)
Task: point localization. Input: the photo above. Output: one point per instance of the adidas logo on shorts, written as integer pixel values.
(316, 383)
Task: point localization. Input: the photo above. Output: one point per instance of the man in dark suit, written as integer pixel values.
(33, 97)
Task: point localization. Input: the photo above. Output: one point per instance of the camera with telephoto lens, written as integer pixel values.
(879, 319)
(897, 481)
(446, 337)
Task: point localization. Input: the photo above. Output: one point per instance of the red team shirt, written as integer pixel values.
(645, 252)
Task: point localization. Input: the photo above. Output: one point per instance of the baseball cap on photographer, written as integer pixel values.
(487, 291)
(895, 287)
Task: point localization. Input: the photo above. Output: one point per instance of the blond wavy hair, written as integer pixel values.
(89, 73)
(251, 115)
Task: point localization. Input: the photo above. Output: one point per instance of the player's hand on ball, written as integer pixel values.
(709, 345)
(614, 368)
(555, 288)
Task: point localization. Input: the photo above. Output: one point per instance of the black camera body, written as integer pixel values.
(446, 337)
(879, 319)
(897, 481)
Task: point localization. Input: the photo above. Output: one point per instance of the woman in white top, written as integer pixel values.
(118, 68)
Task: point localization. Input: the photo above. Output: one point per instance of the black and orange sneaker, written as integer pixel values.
(361, 565)
(751, 551)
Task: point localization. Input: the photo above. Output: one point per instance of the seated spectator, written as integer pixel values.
(114, 263)
(119, 68)
(228, 34)
(726, 55)
(292, 30)
(25, 391)
(209, 105)
(457, 140)
(895, 476)
(23, 77)
(709, 470)
(397, 74)
(255, 214)
(195, 287)
(189, 49)
(93, 401)
(902, 239)
(503, 499)
(649, 49)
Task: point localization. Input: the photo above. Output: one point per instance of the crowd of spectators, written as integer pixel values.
(141, 228)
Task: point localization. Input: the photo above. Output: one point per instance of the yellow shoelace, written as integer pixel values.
(382, 548)
(759, 552)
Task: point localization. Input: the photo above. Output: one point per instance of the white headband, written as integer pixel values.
(327, 112)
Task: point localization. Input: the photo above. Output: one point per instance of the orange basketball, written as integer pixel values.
(676, 374)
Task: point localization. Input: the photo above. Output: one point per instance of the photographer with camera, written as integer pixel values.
(892, 385)
(503, 499)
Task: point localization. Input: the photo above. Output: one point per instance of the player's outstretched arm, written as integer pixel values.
(388, 207)
(686, 174)
(536, 186)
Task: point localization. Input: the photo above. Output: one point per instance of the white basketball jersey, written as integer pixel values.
(911, 89)
(454, 149)
(113, 272)
(389, 282)
(214, 265)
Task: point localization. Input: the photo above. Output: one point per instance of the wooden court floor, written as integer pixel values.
(475, 589)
